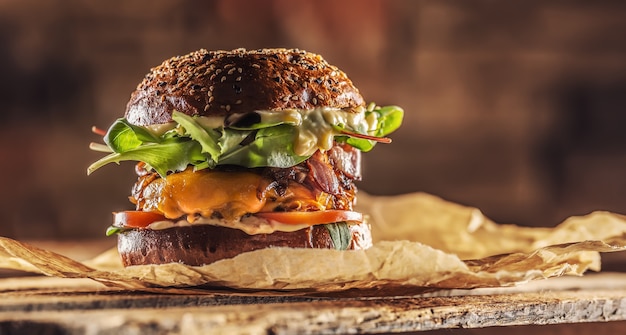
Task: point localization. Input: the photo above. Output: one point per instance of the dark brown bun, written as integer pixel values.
(204, 244)
(220, 83)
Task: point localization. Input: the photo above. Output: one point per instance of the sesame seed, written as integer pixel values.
(238, 102)
(218, 71)
(206, 108)
(231, 71)
(211, 98)
(314, 101)
(223, 79)
(238, 78)
(295, 98)
(227, 108)
(240, 70)
(285, 99)
(256, 66)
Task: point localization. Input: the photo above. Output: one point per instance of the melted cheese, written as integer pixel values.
(227, 195)
(232, 194)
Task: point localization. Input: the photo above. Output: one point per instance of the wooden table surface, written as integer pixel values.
(592, 304)
(42, 305)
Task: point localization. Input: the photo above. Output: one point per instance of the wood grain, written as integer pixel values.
(77, 306)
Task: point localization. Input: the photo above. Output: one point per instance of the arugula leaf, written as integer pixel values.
(271, 147)
(206, 137)
(339, 234)
(249, 144)
(232, 138)
(123, 136)
(170, 155)
(252, 121)
(256, 126)
(112, 230)
(359, 143)
(263, 119)
(389, 119)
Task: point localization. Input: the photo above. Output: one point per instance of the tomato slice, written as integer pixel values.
(136, 219)
(139, 219)
(312, 218)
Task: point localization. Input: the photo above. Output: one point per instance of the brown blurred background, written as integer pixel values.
(515, 107)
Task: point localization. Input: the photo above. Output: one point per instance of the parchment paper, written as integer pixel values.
(421, 242)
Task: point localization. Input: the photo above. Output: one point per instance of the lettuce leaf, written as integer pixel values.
(263, 150)
(339, 234)
(258, 145)
(170, 155)
(389, 119)
(123, 136)
(206, 137)
(113, 230)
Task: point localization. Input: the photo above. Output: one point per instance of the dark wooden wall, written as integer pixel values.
(516, 107)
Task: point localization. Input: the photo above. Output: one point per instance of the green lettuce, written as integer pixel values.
(262, 151)
(113, 230)
(389, 119)
(189, 143)
(122, 135)
(340, 235)
(208, 138)
(169, 155)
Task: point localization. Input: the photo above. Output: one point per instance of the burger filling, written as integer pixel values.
(259, 172)
(227, 194)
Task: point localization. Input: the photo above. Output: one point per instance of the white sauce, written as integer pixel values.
(315, 126)
(250, 225)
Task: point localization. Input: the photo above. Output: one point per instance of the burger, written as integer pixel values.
(242, 150)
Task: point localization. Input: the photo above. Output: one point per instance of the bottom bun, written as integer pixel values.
(204, 244)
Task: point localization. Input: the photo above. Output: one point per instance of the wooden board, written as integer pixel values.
(78, 306)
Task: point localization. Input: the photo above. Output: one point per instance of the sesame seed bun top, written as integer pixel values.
(221, 83)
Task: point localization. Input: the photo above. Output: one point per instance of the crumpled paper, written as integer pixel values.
(421, 242)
